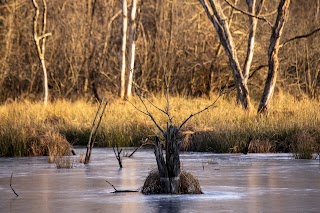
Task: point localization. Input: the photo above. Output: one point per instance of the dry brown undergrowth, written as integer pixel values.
(49, 143)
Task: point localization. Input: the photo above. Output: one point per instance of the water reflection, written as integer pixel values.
(164, 205)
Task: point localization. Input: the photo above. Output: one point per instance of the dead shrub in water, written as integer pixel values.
(303, 145)
(82, 157)
(64, 162)
(49, 143)
(188, 184)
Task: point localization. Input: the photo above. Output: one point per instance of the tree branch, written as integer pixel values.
(11, 185)
(145, 106)
(250, 76)
(158, 108)
(119, 191)
(204, 109)
(167, 97)
(300, 36)
(118, 156)
(249, 14)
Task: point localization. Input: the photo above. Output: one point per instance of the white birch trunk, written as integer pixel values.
(40, 43)
(45, 82)
(132, 47)
(123, 48)
(254, 9)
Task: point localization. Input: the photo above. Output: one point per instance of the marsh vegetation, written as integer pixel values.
(29, 129)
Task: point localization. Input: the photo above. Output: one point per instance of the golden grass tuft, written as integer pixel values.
(49, 143)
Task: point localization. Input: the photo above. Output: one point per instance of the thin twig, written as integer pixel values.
(249, 14)
(144, 104)
(134, 151)
(147, 110)
(204, 109)
(11, 185)
(167, 97)
(112, 186)
(158, 108)
(137, 108)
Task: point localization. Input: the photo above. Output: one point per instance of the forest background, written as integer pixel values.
(173, 37)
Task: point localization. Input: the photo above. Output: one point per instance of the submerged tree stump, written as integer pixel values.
(167, 179)
(188, 184)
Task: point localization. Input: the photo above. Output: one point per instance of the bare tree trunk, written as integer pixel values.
(41, 42)
(173, 159)
(132, 46)
(123, 48)
(273, 60)
(162, 168)
(169, 169)
(218, 19)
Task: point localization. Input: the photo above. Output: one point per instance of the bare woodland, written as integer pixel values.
(203, 46)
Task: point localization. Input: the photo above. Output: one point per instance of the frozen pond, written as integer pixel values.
(230, 182)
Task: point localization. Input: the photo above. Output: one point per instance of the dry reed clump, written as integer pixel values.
(188, 184)
(49, 143)
(82, 157)
(304, 145)
(64, 162)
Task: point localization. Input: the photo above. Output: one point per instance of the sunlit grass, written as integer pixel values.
(220, 129)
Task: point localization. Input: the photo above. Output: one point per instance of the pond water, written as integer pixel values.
(230, 182)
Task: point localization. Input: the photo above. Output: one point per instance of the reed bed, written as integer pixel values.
(224, 128)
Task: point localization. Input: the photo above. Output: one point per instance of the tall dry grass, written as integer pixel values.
(224, 128)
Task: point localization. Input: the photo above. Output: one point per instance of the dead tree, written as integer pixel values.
(118, 155)
(40, 41)
(94, 129)
(168, 166)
